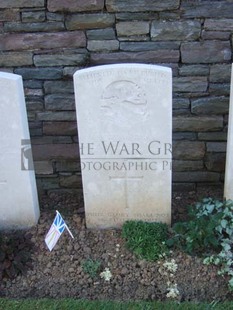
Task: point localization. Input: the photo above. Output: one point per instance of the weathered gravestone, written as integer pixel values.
(124, 115)
(19, 202)
(228, 186)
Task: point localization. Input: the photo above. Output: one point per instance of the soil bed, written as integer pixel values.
(59, 273)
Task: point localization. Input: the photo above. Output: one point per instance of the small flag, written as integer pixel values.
(56, 231)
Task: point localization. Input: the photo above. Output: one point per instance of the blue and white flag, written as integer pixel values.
(56, 231)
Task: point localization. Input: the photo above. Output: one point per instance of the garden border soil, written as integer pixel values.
(59, 273)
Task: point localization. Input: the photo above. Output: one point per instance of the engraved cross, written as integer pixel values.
(126, 181)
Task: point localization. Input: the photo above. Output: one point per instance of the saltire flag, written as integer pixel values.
(55, 231)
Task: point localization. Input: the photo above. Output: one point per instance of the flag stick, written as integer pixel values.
(69, 232)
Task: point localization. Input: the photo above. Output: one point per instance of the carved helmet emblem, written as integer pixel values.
(123, 92)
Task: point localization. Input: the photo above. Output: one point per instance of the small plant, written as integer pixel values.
(146, 240)
(168, 270)
(170, 266)
(91, 267)
(209, 232)
(173, 291)
(106, 274)
(15, 254)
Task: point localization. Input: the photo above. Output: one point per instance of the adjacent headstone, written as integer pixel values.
(19, 202)
(228, 186)
(124, 114)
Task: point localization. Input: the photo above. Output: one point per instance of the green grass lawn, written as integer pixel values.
(70, 304)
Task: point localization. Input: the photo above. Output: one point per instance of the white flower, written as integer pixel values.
(171, 266)
(173, 291)
(106, 274)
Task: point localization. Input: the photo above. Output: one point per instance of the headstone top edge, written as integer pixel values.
(123, 66)
(10, 76)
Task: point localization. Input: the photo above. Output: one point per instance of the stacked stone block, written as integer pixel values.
(47, 41)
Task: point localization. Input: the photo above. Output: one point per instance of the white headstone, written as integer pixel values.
(19, 202)
(124, 115)
(228, 186)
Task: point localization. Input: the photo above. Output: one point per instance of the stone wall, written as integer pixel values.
(47, 41)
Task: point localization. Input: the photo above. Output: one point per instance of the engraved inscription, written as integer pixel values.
(116, 217)
(147, 74)
(113, 214)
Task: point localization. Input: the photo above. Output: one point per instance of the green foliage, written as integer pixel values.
(209, 231)
(198, 235)
(15, 254)
(68, 304)
(146, 240)
(91, 267)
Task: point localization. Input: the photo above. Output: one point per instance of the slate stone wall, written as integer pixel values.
(47, 41)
